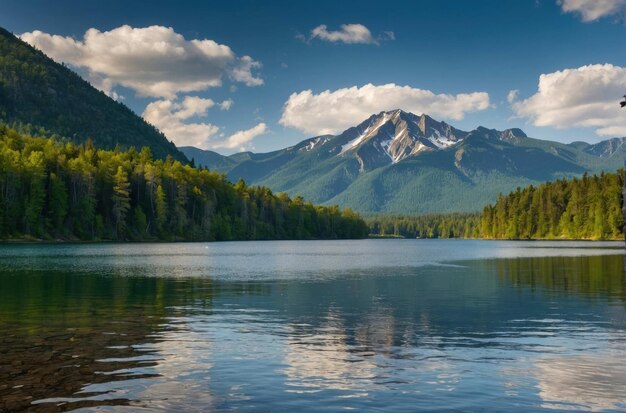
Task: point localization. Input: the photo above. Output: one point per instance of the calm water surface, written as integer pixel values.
(373, 325)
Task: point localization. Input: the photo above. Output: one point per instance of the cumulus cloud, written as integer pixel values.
(583, 97)
(512, 96)
(169, 117)
(193, 106)
(174, 119)
(335, 111)
(348, 33)
(590, 10)
(226, 104)
(242, 72)
(241, 139)
(152, 61)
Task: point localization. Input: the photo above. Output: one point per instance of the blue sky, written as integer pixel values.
(456, 60)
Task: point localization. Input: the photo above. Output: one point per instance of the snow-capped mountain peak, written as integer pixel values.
(395, 135)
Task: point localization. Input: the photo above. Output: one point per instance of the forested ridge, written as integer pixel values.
(589, 207)
(52, 189)
(42, 97)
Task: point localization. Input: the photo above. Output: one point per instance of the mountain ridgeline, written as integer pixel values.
(394, 162)
(589, 207)
(41, 97)
(400, 163)
(52, 190)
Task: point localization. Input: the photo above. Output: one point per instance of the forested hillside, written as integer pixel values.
(40, 96)
(585, 208)
(589, 207)
(52, 189)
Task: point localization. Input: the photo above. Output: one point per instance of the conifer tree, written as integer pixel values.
(121, 201)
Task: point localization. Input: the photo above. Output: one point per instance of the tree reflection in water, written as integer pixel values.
(542, 332)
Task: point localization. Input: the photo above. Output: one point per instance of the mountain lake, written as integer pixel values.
(311, 326)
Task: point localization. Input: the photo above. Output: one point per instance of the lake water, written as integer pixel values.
(312, 326)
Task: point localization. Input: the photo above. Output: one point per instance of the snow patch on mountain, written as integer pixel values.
(442, 142)
(362, 137)
(315, 142)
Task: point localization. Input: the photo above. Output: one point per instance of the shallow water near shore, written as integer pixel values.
(371, 325)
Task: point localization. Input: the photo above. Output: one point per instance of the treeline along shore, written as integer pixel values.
(53, 189)
(589, 207)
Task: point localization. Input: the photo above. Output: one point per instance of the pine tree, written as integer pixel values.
(57, 195)
(161, 209)
(121, 201)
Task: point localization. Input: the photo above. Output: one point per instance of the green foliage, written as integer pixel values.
(41, 97)
(56, 189)
(585, 208)
(57, 204)
(33, 172)
(456, 225)
(121, 201)
(161, 210)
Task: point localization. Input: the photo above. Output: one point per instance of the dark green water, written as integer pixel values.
(375, 325)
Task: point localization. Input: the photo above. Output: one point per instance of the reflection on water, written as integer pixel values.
(592, 382)
(536, 333)
(594, 275)
(323, 359)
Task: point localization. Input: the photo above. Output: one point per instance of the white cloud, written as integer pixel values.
(512, 96)
(335, 111)
(590, 10)
(172, 117)
(193, 106)
(153, 61)
(349, 33)
(583, 97)
(241, 139)
(242, 72)
(169, 116)
(226, 104)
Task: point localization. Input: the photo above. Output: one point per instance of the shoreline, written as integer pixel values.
(30, 241)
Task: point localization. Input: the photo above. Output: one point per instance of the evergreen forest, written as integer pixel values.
(57, 189)
(589, 207)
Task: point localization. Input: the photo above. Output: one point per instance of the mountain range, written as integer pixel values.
(399, 162)
(393, 162)
(40, 96)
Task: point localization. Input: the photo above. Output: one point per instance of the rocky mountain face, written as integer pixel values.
(399, 162)
(390, 137)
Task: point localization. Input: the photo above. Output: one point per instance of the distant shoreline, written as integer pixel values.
(376, 236)
(16, 241)
(154, 241)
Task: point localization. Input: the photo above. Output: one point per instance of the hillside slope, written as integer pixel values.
(398, 162)
(40, 95)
